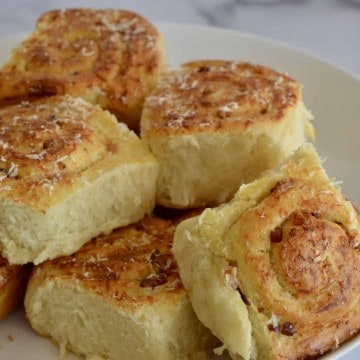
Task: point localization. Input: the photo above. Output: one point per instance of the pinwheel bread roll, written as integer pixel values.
(68, 171)
(107, 57)
(13, 281)
(215, 124)
(119, 297)
(275, 272)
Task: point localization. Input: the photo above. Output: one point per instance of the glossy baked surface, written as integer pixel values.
(51, 147)
(215, 95)
(132, 266)
(109, 57)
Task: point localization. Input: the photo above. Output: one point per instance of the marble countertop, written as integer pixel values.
(329, 29)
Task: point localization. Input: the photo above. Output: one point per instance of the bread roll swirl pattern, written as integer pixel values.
(47, 139)
(220, 95)
(220, 120)
(298, 247)
(51, 142)
(110, 57)
(315, 257)
(291, 244)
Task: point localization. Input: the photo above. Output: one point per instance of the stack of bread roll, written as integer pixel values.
(166, 214)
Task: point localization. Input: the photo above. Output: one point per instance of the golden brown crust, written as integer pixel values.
(211, 95)
(285, 249)
(110, 57)
(13, 280)
(49, 143)
(35, 137)
(299, 263)
(131, 266)
(52, 147)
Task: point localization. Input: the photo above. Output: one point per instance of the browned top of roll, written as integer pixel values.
(132, 266)
(105, 56)
(299, 262)
(219, 95)
(52, 142)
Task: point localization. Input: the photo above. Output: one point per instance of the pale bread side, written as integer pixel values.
(214, 125)
(119, 296)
